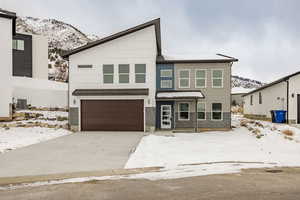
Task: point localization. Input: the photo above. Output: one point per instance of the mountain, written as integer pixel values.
(61, 37)
(241, 82)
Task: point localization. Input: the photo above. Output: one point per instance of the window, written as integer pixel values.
(123, 73)
(260, 98)
(200, 78)
(216, 111)
(85, 66)
(184, 79)
(166, 73)
(18, 45)
(108, 73)
(201, 111)
(140, 73)
(217, 78)
(251, 100)
(166, 83)
(184, 113)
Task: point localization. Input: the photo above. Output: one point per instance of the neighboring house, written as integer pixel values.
(237, 95)
(7, 27)
(283, 94)
(24, 70)
(124, 83)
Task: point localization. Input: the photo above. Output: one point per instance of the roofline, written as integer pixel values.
(197, 61)
(10, 15)
(155, 23)
(161, 60)
(272, 83)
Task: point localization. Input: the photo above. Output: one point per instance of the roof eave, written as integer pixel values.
(155, 23)
(197, 61)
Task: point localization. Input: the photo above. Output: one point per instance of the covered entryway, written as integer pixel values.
(112, 115)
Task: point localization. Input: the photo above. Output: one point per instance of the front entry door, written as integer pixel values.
(166, 116)
(298, 109)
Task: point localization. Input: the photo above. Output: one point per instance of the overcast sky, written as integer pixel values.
(263, 34)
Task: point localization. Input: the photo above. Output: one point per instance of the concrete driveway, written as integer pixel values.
(78, 152)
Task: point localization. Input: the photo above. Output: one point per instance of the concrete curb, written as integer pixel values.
(8, 181)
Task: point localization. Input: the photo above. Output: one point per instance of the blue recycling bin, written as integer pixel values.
(280, 116)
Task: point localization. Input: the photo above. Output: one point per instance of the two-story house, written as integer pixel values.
(193, 93)
(123, 83)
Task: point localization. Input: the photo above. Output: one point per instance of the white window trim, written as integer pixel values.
(113, 74)
(166, 76)
(179, 86)
(204, 111)
(200, 78)
(212, 78)
(123, 74)
(135, 73)
(179, 119)
(166, 87)
(212, 119)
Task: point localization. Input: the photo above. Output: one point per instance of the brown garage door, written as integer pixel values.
(112, 115)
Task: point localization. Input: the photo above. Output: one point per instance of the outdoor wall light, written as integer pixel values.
(74, 101)
(293, 95)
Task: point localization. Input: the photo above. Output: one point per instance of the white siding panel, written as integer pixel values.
(294, 89)
(5, 66)
(273, 98)
(136, 48)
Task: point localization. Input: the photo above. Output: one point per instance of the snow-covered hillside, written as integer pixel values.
(241, 82)
(61, 37)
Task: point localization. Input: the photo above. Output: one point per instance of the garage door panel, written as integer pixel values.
(112, 115)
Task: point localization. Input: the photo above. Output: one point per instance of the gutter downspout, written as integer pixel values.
(196, 118)
(287, 100)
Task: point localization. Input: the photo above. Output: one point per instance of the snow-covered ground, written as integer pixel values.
(17, 137)
(218, 152)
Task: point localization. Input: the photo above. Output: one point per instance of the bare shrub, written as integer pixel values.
(288, 132)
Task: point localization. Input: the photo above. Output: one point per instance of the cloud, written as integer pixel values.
(264, 35)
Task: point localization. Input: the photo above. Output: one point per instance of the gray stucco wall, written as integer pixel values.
(212, 95)
(73, 116)
(207, 123)
(150, 115)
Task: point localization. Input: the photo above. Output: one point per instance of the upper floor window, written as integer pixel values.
(166, 73)
(260, 98)
(184, 111)
(124, 73)
(166, 76)
(216, 111)
(18, 45)
(184, 78)
(200, 76)
(108, 73)
(166, 84)
(251, 100)
(140, 73)
(201, 107)
(217, 78)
